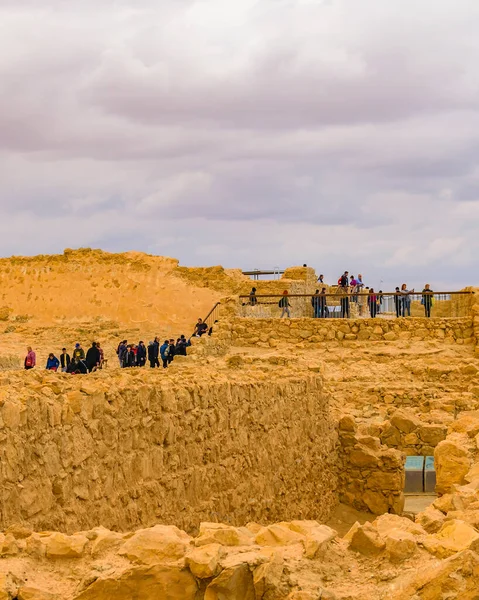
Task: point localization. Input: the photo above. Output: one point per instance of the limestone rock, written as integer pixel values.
(453, 537)
(33, 593)
(431, 519)
(267, 580)
(347, 423)
(59, 545)
(278, 535)
(400, 544)
(387, 522)
(159, 544)
(404, 422)
(452, 464)
(454, 579)
(204, 560)
(105, 540)
(317, 537)
(145, 583)
(362, 456)
(432, 434)
(366, 540)
(226, 535)
(235, 583)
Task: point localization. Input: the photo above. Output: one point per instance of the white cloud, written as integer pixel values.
(255, 134)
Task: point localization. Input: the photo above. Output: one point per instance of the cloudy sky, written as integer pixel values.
(253, 134)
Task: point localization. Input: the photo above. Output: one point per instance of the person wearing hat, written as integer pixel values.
(78, 352)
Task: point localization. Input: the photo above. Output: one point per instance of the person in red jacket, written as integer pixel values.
(30, 359)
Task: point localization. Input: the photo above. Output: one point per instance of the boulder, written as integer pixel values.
(235, 583)
(278, 535)
(59, 545)
(104, 541)
(204, 560)
(362, 456)
(400, 544)
(34, 593)
(387, 522)
(454, 578)
(347, 423)
(432, 434)
(226, 535)
(317, 537)
(267, 579)
(366, 540)
(405, 422)
(159, 544)
(452, 465)
(147, 583)
(454, 536)
(431, 519)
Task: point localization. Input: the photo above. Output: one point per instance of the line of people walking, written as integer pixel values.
(132, 355)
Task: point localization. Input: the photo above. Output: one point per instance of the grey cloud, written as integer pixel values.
(343, 134)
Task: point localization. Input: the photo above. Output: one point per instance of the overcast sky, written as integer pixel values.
(253, 134)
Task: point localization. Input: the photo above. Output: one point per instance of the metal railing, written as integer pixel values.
(212, 317)
(256, 273)
(344, 303)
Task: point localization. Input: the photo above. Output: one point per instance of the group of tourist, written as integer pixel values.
(129, 355)
(353, 289)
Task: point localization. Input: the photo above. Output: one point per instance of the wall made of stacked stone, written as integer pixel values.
(371, 476)
(128, 451)
(271, 332)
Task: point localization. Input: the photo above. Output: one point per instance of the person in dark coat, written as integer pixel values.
(151, 354)
(141, 355)
(130, 359)
(427, 299)
(156, 352)
(64, 360)
(397, 303)
(93, 358)
(171, 351)
(77, 367)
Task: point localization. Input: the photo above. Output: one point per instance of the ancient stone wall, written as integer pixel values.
(138, 448)
(269, 332)
(371, 476)
(408, 433)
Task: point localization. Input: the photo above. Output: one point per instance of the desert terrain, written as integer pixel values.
(268, 464)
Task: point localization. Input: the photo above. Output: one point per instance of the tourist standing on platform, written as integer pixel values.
(323, 304)
(397, 302)
(427, 299)
(344, 285)
(372, 303)
(30, 359)
(315, 304)
(252, 297)
(284, 305)
(406, 300)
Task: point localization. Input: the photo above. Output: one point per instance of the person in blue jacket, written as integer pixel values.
(52, 363)
(164, 351)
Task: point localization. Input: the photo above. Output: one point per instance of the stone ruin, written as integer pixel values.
(267, 465)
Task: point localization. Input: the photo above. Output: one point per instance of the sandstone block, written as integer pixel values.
(267, 579)
(452, 464)
(278, 535)
(366, 540)
(34, 593)
(147, 583)
(454, 536)
(59, 545)
(390, 336)
(347, 423)
(226, 535)
(454, 578)
(105, 540)
(203, 561)
(159, 544)
(387, 522)
(376, 502)
(317, 536)
(432, 434)
(362, 456)
(405, 422)
(430, 519)
(400, 545)
(232, 584)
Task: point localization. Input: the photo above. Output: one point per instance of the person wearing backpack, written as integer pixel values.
(285, 305)
(164, 351)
